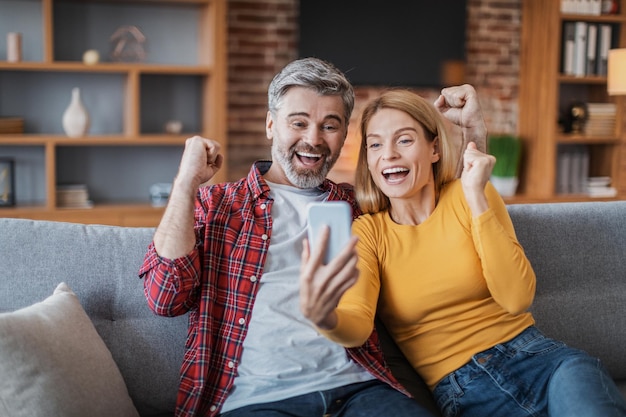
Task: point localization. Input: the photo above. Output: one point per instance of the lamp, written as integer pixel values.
(616, 74)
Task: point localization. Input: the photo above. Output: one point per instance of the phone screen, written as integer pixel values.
(338, 216)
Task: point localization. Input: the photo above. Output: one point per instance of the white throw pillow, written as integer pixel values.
(54, 363)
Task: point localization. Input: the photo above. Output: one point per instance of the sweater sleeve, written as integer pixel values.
(507, 271)
(357, 308)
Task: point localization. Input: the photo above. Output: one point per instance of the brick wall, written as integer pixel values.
(263, 37)
(493, 52)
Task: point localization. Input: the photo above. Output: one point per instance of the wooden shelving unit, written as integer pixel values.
(183, 77)
(545, 91)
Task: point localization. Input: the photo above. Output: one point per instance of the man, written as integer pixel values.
(229, 254)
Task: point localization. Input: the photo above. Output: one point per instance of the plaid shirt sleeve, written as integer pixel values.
(170, 285)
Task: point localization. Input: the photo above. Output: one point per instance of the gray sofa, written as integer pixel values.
(578, 251)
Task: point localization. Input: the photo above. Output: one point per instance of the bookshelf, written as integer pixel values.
(551, 90)
(129, 101)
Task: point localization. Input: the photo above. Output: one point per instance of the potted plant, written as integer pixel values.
(507, 149)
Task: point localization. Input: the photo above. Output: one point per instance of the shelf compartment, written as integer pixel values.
(126, 149)
(164, 98)
(42, 97)
(30, 175)
(576, 163)
(24, 17)
(111, 172)
(79, 26)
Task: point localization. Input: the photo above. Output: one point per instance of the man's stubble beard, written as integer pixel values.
(303, 178)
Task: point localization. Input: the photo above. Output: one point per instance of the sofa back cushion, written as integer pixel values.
(578, 253)
(100, 264)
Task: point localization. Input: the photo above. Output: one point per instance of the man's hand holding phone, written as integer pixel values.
(329, 262)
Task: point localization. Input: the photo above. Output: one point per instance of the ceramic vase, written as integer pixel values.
(75, 117)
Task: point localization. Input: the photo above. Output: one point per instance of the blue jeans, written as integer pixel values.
(531, 375)
(364, 399)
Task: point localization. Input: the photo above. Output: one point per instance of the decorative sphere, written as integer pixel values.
(91, 57)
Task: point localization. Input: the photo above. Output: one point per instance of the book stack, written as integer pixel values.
(600, 187)
(588, 7)
(601, 119)
(585, 48)
(11, 125)
(73, 196)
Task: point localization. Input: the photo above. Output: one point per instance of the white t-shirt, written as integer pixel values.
(283, 355)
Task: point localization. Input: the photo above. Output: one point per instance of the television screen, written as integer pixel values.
(385, 43)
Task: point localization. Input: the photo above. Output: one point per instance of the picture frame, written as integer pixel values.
(7, 182)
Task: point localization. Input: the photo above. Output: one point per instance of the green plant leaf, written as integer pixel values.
(508, 151)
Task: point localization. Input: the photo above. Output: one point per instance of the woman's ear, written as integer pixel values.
(436, 155)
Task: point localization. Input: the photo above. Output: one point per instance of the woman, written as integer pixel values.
(440, 263)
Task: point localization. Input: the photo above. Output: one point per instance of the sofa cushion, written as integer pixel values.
(100, 264)
(54, 363)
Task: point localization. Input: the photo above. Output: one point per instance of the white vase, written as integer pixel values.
(506, 186)
(75, 117)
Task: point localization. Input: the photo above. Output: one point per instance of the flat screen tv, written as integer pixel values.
(385, 43)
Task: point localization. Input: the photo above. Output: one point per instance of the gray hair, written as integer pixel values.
(321, 76)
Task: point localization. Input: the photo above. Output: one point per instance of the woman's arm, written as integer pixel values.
(507, 271)
(338, 298)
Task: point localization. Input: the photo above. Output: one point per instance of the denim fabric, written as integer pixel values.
(531, 375)
(365, 399)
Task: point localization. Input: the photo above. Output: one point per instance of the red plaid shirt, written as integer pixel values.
(217, 283)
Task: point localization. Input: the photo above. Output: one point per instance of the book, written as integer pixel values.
(73, 196)
(580, 48)
(592, 43)
(600, 187)
(601, 119)
(569, 38)
(586, 7)
(595, 7)
(563, 170)
(579, 169)
(11, 125)
(604, 44)
(572, 169)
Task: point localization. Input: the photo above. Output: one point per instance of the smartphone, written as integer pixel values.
(337, 215)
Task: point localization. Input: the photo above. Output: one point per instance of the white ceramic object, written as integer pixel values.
(75, 117)
(91, 57)
(174, 126)
(506, 186)
(14, 47)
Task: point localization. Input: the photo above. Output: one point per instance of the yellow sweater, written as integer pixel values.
(449, 287)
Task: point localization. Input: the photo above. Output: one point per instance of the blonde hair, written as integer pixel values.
(370, 198)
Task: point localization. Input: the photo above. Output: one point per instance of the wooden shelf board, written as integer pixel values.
(107, 140)
(586, 139)
(104, 67)
(603, 18)
(587, 79)
(128, 214)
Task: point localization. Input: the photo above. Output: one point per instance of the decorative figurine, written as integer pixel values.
(575, 118)
(128, 44)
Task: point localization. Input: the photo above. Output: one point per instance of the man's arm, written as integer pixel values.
(460, 105)
(174, 237)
